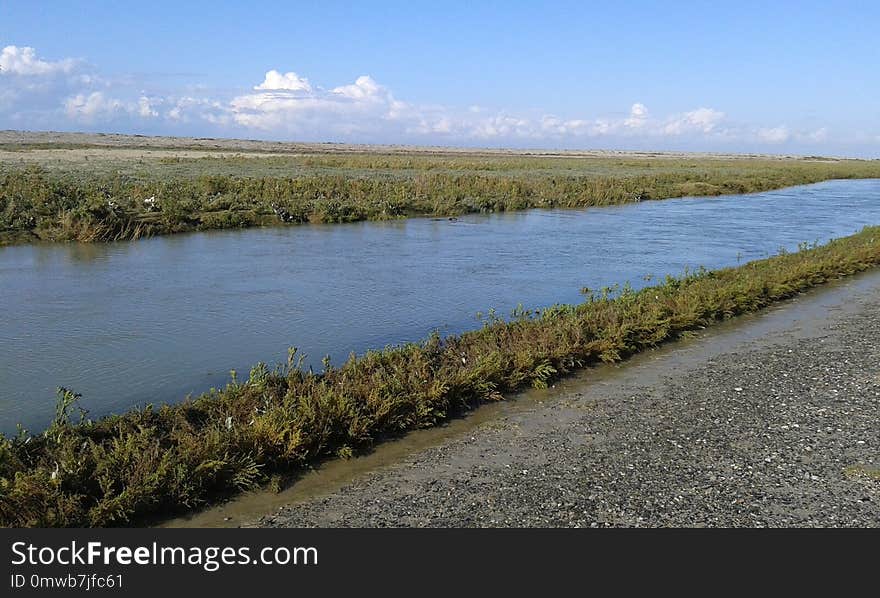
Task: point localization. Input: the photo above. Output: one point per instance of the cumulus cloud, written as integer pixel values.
(146, 107)
(817, 136)
(774, 135)
(701, 120)
(364, 88)
(638, 116)
(36, 92)
(288, 81)
(188, 109)
(503, 125)
(289, 103)
(98, 107)
(89, 107)
(15, 60)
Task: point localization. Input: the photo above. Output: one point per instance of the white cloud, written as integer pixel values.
(502, 125)
(817, 136)
(288, 81)
(774, 135)
(96, 107)
(91, 107)
(35, 92)
(364, 88)
(701, 120)
(15, 60)
(638, 116)
(290, 104)
(146, 108)
(188, 109)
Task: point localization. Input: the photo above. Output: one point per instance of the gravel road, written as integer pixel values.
(767, 421)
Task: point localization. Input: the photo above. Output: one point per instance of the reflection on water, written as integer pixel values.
(153, 320)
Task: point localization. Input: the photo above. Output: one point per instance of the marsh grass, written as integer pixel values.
(110, 200)
(168, 458)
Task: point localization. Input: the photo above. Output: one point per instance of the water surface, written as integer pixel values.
(151, 321)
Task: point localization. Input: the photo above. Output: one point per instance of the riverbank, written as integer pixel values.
(65, 187)
(769, 421)
(158, 460)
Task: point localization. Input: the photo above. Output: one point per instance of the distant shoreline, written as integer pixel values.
(10, 138)
(60, 187)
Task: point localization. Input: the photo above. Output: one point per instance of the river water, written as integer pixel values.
(150, 321)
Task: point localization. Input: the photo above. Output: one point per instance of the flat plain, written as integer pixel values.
(91, 187)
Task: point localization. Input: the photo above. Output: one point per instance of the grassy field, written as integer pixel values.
(98, 188)
(169, 458)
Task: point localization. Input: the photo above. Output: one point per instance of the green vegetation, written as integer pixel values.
(116, 194)
(863, 471)
(160, 460)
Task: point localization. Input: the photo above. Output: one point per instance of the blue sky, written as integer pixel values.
(775, 77)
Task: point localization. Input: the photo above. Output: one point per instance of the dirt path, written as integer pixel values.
(767, 421)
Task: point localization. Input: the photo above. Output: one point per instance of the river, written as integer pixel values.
(150, 321)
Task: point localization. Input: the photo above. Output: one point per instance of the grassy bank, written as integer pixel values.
(174, 457)
(105, 195)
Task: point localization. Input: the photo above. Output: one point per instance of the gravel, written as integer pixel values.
(768, 422)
